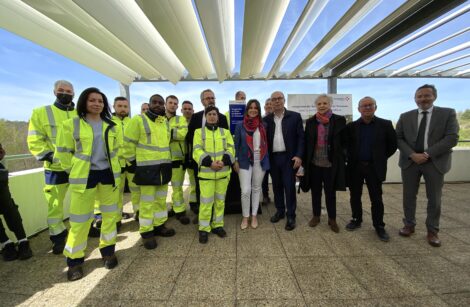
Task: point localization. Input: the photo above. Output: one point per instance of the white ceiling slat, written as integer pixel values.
(443, 63)
(19, 18)
(442, 72)
(72, 17)
(413, 37)
(261, 22)
(127, 22)
(176, 21)
(218, 21)
(462, 73)
(354, 15)
(421, 49)
(431, 58)
(312, 10)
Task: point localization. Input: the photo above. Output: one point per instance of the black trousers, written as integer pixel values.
(10, 212)
(364, 171)
(322, 178)
(265, 184)
(283, 176)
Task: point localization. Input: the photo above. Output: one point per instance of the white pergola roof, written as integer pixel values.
(185, 40)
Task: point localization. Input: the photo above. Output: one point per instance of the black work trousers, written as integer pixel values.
(364, 171)
(322, 178)
(10, 212)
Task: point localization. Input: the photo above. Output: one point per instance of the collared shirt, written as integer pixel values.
(366, 138)
(278, 142)
(428, 121)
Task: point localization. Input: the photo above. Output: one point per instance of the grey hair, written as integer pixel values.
(366, 97)
(330, 99)
(62, 82)
(205, 91)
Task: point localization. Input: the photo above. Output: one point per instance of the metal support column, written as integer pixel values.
(124, 89)
(332, 85)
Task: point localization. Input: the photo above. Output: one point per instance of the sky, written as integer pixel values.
(28, 71)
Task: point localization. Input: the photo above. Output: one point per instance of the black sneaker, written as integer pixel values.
(382, 234)
(163, 231)
(94, 232)
(110, 262)
(203, 237)
(75, 272)
(150, 243)
(9, 252)
(220, 232)
(353, 225)
(181, 216)
(58, 247)
(24, 251)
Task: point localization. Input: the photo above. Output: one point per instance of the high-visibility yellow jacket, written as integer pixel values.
(147, 142)
(121, 124)
(43, 127)
(75, 146)
(215, 143)
(178, 131)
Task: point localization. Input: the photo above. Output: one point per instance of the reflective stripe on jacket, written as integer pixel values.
(178, 131)
(44, 125)
(121, 124)
(213, 143)
(75, 146)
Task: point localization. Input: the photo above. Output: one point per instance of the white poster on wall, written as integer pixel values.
(305, 104)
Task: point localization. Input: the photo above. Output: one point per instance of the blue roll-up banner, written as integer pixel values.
(236, 109)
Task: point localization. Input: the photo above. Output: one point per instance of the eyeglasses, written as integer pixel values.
(277, 99)
(367, 106)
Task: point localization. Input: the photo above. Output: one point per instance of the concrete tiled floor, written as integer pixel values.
(267, 266)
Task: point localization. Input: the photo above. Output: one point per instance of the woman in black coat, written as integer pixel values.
(323, 161)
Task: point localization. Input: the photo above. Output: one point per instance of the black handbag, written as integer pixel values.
(153, 174)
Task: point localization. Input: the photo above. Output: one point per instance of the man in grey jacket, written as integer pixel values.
(425, 139)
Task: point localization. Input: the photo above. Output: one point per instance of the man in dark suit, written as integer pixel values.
(198, 120)
(370, 142)
(425, 138)
(285, 145)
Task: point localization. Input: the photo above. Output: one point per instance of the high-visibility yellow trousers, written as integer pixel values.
(177, 178)
(192, 186)
(212, 200)
(81, 216)
(55, 194)
(153, 211)
(135, 194)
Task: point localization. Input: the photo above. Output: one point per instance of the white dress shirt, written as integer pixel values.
(278, 142)
(428, 121)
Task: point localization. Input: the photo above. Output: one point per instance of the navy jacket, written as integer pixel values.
(241, 149)
(292, 131)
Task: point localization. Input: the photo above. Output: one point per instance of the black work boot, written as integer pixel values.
(58, 247)
(220, 231)
(110, 262)
(150, 243)
(163, 231)
(75, 272)
(203, 237)
(181, 216)
(9, 252)
(24, 251)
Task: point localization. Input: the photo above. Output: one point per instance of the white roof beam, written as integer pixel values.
(419, 72)
(421, 49)
(411, 38)
(218, 22)
(23, 20)
(127, 22)
(354, 15)
(441, 72)
(72, 17)
(432, 58)
(462, 73)
(309, 15)
(261, 23)
(177, 22)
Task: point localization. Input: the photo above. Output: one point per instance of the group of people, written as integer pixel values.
(92, 152)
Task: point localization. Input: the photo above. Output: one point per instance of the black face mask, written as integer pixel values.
(64, 99)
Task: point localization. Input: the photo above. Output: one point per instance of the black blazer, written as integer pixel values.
(336, 154)
(384, 145)
(292, 131)
(196, 123)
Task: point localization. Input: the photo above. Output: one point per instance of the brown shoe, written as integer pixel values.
(333, 225)
(433, 239)
(314, 221)
(406, 231)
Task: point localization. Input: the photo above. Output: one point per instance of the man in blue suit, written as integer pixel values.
(285, 145)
